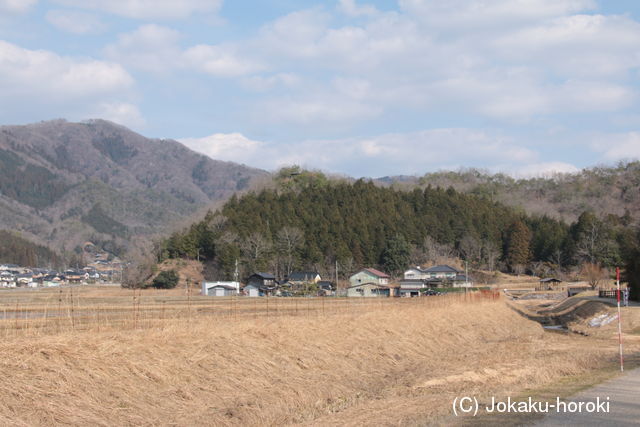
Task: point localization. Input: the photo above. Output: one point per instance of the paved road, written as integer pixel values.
(624, 398)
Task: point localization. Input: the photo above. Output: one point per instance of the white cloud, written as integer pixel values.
(75, 22)
(42, 83)
(506, 60)
(402, 153)
(46, 73)
(120, 112)
(541, 170)
(156, 48)
(230, 147)
(17, 6)
(350, 8)
(264, 83)
(150, 47)
(471, 15)
(148, 9)
(614, 147)
(220, 60)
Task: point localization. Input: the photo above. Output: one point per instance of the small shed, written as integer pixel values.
(220, 289)
(251, 290)
(548, 284)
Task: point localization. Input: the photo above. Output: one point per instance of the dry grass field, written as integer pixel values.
(167, 358)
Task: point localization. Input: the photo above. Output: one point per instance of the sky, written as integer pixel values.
(354, 87)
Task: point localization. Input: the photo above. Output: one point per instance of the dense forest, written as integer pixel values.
(309, 222)
(16, 250)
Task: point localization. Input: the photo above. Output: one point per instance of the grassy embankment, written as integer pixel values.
(380, 362)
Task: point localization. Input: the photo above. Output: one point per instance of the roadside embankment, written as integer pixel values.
(395, 365)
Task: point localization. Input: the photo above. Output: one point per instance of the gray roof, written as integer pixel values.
(441, 269)
(302, 275)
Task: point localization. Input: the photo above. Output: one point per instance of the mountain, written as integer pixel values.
(603, 190)
(63, 184)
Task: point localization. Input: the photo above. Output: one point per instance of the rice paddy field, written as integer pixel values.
(111, 356)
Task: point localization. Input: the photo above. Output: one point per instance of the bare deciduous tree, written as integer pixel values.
(255, 247)
(594, 274)
(289, 240)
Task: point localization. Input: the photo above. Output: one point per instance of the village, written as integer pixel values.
(101, 270)
(367, 282)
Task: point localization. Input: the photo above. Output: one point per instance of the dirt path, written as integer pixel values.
(624, 409)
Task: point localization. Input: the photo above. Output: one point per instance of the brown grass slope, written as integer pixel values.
(394, 365)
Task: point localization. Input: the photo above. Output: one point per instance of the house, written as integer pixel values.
(220, 289)
(325, 288)
(440, 272)
(369, 275)
(303, 277)
(371, 290)
(260, 284)
(462, 281)
(411, 288)
(7, 279)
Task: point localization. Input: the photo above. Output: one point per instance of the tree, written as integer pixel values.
(517, 248)
(471, 249)
(289, 240)
(166, 280)
(594, 274)
(396, 255)
(255, 248)
(632, 267)
(491, 254)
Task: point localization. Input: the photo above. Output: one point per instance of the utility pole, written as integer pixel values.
(466, 272)
(336, 277)
(619, 319)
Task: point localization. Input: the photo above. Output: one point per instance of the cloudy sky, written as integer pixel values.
(365, 88)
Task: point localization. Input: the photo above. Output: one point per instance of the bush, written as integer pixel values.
(166, 280)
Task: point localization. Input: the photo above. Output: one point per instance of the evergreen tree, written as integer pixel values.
(517, 248)
(396, 255)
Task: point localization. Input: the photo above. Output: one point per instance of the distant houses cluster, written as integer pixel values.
(367, 282)
(15, 276)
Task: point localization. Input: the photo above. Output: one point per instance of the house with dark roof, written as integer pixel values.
(297, 277)
(262, 283)
(325, 288)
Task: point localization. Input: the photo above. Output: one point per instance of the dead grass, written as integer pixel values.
(388, 364)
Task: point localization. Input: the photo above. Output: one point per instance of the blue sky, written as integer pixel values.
(364, 88)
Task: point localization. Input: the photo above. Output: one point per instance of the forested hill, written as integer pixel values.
(603, 190)
(16, 250)
(63, 184)
(315, 222)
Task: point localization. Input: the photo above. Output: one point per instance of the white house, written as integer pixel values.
(220, 289)
(440, 272)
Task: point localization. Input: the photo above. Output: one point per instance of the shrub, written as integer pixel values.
(166, 280)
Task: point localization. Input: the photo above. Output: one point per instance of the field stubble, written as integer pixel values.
(168, 359)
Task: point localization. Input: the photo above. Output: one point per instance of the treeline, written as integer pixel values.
(17, 250)
(309, 222)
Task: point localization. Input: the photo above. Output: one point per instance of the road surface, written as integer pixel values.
(624, 409)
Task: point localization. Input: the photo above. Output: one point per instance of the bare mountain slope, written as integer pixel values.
(64, 183)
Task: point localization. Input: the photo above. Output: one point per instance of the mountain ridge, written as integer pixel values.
(64, 183)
